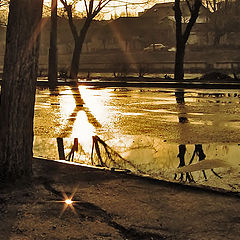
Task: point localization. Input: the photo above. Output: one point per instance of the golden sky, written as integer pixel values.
(118, 7)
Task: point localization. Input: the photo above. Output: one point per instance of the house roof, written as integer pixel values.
(166, 8)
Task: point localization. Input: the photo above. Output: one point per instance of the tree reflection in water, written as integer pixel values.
(181, 156)
(108, 157)
(201, 156)
(179, 94)
(68, 126)
(105, 156)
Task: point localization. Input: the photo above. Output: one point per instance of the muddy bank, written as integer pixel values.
(112, 206)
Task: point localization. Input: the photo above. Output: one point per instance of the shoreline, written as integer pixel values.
(194, 187)
(153, 84)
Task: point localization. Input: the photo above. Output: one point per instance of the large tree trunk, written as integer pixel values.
(78, 49)
(18, 89)
(52, 58)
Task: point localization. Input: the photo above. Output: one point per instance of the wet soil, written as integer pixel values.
(112, 205)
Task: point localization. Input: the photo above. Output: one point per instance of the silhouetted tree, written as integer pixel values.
(18, 89)
(52, 60)
(92, 8)
(183, 35)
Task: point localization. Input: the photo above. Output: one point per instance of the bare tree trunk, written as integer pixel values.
(76, 59)
(18, 89)
(180, 47)
(78, 49)
(52, 59)
(182, 37)
(179, 64)
(92, 9)
(217, 38)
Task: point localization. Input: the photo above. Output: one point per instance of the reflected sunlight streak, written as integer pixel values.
(67, 109)
(96, 105)
(83, 130)
(67, 104)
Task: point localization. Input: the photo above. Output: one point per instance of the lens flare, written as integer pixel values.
(68, 201)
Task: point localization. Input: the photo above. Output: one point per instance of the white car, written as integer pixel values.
(155, 47)
(172, 49)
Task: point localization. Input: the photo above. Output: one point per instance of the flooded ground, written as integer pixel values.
(191, 136)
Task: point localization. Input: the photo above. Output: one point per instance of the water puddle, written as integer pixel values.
(215, 165)
(183, 136)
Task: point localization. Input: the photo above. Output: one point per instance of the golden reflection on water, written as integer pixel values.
(84, 112)
(80, 115)
(96, 103)
(84, 131)
(67, 105)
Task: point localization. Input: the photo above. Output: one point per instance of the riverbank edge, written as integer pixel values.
(119, 172)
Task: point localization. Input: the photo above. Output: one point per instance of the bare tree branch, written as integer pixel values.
(91, 2)
(194, 16)
(73, 28)
(86, 7)
(189, 6)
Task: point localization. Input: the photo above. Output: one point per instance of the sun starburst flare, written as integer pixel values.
(68, 201)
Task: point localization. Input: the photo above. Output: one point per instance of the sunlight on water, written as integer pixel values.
(67, 105)
(83, 130)
(144, 130)
(96, 104)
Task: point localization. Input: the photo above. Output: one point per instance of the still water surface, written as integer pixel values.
(191, 136)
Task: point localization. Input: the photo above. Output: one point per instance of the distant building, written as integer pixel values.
(135, 33)
(162, 10)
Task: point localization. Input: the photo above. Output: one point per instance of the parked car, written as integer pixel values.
(172, 49)
(155, 47)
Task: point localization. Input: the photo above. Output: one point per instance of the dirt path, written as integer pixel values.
(112, 206)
